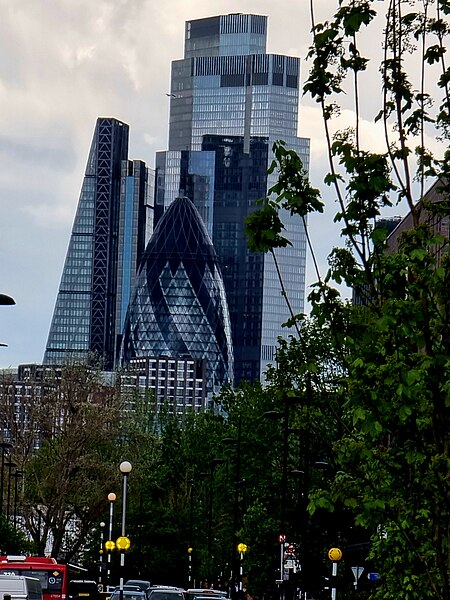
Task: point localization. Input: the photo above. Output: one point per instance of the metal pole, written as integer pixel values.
(15, 500)
(281, 570)
(2, 479)
(285, 459)
(334, 575)
(214, 463)
(5, 446)
(236, 493)
(8, 496)
(190, 567)
(17, 475)
(122, 552)
(100, 568)
(241, 573)
(111, 498)
(284, 490)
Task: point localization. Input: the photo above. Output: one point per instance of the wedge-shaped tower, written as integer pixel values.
(178, 307)
(108, 239)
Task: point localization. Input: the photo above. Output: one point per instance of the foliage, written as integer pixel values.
(389, 409)
(12, 539)
(68, 477)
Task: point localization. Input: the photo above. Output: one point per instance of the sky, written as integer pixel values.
(63, 64)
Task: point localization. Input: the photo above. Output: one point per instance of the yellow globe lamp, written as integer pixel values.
(110, 545)
(242, 548)
(335, 554)
(123, 543)
(190, 550)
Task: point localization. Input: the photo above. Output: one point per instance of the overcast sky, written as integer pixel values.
(63, 63)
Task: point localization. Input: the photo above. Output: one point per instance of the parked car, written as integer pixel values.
(20, 587)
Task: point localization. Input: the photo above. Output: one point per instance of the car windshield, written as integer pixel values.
(202, 596)
(128, 595)
(140, 583)
(166, 595)
(206, 592)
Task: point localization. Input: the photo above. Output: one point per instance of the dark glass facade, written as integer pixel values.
(230, 101)
(107, 241)
(178, 307)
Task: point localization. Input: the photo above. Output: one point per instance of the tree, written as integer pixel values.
(68, 478)
(391, 453)
(12, 540)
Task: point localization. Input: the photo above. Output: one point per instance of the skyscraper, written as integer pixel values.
(108, 239)
(229, 102)
(178, 308)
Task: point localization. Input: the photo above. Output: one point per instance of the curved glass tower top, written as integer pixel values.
(178, 307)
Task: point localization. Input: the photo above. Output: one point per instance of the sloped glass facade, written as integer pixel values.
(108, 239)
(178, 307)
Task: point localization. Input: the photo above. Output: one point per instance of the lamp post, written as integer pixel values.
(284, 416)
(6, 300)
(110, 545)
(10, 465)
(124, 543)
(190, 566)
(214, 463)
(237, 483)
(191, 531)
(210, 474)
(100, 563)
(17, 475)
(5, 446)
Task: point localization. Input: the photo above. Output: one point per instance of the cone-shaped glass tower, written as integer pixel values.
(178, 307)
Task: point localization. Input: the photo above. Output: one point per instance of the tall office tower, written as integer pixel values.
(178, 307)
(229, 102)
(107, 241)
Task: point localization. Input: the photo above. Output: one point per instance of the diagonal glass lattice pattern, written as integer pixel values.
(178, 307)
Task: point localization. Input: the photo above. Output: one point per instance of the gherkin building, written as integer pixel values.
(178, 307)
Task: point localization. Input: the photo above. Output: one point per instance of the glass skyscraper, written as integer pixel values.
(178, 307)
(229, 102)
(111, 227)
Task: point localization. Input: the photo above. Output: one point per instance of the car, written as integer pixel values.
(18, 586)
(82, 588)
(166, 592)
(204, 593)
(129, 593)
(142, 584)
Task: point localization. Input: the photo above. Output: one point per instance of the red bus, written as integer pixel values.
(53, 576)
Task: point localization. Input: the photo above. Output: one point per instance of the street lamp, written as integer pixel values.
(123, 543)
(284, 416)
(6, 300)
(5, 446)
(191, 530)
(110, 545)
(10, 465)
(214, 463)
(190, 565)
(237, 483)
(17, 475)
(100, 568)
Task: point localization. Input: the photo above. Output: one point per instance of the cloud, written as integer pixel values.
(65, 63)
